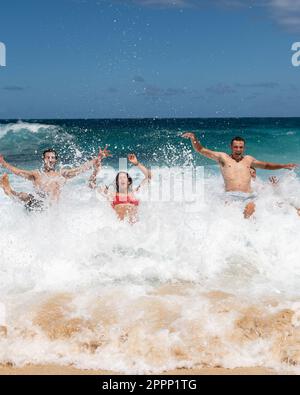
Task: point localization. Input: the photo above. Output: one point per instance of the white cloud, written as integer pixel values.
(286, 5)
(284, 12)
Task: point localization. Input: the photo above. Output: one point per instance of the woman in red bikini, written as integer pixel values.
(122, 199)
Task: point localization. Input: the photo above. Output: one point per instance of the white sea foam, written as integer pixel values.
(80, 287)
(20, 127)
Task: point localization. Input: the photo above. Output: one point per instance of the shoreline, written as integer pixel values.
(69, 370)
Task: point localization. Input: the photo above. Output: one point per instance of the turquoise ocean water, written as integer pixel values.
(156, 141)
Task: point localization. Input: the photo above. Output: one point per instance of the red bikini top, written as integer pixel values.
(124, 200)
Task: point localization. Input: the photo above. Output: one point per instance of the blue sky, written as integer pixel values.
(149, 58)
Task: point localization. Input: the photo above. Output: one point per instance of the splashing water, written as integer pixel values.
(191, 284)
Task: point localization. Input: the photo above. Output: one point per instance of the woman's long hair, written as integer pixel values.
(117, 181)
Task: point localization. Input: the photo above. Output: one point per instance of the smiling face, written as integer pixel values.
(123, 182)
(50, 161)
(237, 148)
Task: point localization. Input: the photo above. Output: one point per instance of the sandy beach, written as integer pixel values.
(67, 370)
(58, 328)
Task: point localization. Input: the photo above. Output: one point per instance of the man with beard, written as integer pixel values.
(235, 169)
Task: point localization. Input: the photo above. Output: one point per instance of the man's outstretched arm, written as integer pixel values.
(272, 166)
(198, 147)
(70, 173)
(29, 175)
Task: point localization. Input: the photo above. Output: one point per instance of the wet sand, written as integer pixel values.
(68, 370)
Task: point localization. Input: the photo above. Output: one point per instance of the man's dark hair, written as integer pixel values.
(237, 138)
(50, 150)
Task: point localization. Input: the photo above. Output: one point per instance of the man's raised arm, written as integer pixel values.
(70, 173)
(272, 166)
(198, 147)
(29, 175)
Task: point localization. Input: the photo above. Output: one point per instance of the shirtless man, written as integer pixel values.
(235, 169)
(48, 183)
